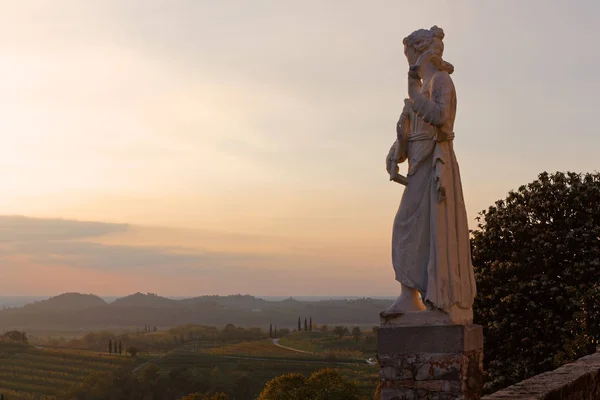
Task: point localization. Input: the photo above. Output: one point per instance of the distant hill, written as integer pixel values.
(67, 301)
(144, 300)
(74, 311)
(243, 301)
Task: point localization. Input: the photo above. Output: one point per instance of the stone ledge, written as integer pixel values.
(576, 381)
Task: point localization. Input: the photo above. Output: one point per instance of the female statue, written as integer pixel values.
(430, 242)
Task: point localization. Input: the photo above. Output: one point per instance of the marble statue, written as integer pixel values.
(430, 242)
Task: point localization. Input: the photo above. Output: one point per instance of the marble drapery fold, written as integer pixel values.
(430, 240)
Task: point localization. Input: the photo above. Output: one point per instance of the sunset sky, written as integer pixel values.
(191, 147)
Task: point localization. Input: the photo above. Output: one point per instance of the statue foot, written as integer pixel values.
(409, 301)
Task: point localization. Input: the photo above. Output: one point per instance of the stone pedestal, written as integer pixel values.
(431, 362)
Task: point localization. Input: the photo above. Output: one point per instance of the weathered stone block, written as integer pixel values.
(429, 339)
(431, 362)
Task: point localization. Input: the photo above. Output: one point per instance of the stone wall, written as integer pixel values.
(577, 381)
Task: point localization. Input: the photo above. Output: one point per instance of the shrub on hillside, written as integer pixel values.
(15, 336)
(537, 264)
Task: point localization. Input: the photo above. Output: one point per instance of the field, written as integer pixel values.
(240, 367)
(328, 344)
(257, 362)
(256, 348)
(27, 372)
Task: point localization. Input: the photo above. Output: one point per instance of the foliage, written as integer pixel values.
(537, 257)
(326, 384)
(154, 342)
(341, 331)
(356, 333)
(15, 336)
(283, 332)
(286, 387)
(133, 351)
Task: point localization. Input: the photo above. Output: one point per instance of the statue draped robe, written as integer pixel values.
(430, 240)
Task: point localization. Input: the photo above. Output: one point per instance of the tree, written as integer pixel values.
(305, 325)
(341, 331)
(537, 256)
(133, 351)
(15, 336)
(356, 333)
(326, 384)
(151, 372)
(310, 325)
(271, 330)
(275, 332)
(110, 346)
(283, 332)
(299, 325)
(290, 386)
(120, 348)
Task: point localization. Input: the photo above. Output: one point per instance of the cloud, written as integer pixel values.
(74, 244)
(18, 229)
(110, 258)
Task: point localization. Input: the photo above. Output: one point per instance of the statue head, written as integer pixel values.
(423, 40)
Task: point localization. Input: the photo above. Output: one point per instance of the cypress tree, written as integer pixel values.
(299, 325)
(110, 347)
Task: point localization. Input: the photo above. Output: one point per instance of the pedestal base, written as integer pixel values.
(431, 362)
(456, 316)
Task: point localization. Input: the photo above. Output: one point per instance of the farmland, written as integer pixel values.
(181, 360)
(254, 363)
(27, 372)
(329, 345)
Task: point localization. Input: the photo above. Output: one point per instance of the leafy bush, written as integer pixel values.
(15, 336)
(537, 257)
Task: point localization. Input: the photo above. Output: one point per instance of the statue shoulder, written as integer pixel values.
(442, 78)
(442, 83)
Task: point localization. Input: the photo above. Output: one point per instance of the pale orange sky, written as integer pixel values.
(244, 141)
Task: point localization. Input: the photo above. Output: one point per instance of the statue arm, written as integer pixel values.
(404, 121)
(435, 111)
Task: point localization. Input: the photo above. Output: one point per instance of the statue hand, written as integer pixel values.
(414, 72)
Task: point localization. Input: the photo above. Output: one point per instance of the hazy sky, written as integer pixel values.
(239, 146)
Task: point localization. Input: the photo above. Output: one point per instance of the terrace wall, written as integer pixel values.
(576, 381)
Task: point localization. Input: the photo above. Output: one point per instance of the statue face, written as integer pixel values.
(411, 55)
